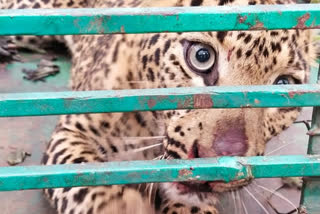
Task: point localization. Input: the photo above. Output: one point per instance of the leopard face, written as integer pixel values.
(274, 57)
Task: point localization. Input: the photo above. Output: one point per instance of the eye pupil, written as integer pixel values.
(200, 57)
(203, 55)
(283, 82)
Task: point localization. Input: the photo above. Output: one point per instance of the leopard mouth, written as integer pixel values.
(209, 186)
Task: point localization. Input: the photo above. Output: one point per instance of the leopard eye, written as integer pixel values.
(284, 80)
(200, 57)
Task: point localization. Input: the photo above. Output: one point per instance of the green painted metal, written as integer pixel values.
(74, 102)
(211, 169)
(144, 20)
(147, 20)
(311, 186)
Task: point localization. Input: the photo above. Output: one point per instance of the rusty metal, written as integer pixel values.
(225, 169)
(146, 20)
(76, 102)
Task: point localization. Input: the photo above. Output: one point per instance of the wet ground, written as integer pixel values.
(30, 134)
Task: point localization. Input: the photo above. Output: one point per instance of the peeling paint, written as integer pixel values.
(151, 103)
(51, 103)
(258, 26)
(202, 101)
(246, 106)
(242, 19)
(121, 20)
(185, 173)
(293, 93)
(302, 21)
(239, 175)
(98, 24)
(221, 169)
(122, 29)
(183, 104)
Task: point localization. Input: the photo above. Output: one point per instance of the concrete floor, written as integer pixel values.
(28, 133)
(32, 133)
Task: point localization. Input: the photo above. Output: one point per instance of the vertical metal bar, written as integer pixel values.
(309, 203)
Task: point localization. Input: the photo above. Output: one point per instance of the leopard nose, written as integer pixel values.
(230, 142)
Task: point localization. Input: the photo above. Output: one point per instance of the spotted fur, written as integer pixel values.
(102, 62)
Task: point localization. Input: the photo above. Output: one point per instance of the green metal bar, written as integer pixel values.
(144, 20)
(75, 102)
(110, 173)
(311, 185)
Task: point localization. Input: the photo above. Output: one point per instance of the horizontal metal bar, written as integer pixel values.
(75, 102)
(144, 20)
(110, 173)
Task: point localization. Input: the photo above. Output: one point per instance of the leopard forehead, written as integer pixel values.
(243, 58)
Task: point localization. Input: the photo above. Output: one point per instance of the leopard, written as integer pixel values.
(168, 60)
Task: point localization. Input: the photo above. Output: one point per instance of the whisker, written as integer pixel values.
(314, 42)
(266, 198)
(124, 155)
(137, 140)
(244, 206)
(150, 192)
(168, 157)
(279, 148)
(160, 157)
(259, 193)
(238, 197)
(137, 81)
(277, 194)
(234, 200)
(146, 148)
(143, 137)
(256, 200)
(139, 187)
